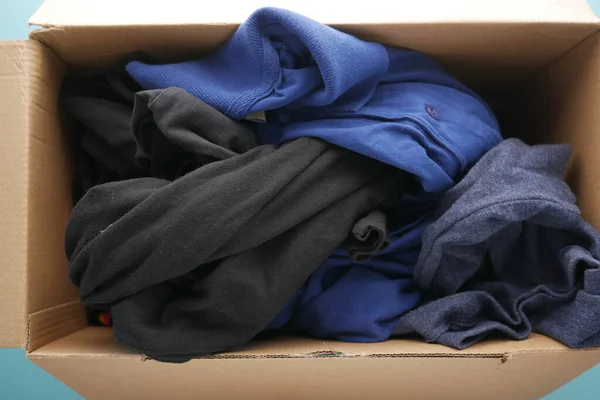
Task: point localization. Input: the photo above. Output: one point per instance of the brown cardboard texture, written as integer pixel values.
(35, 200)
(540, 59)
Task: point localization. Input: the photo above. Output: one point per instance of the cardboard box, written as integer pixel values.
(540, 57)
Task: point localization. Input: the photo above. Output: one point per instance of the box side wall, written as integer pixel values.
(51, 172)
(522, 376)
(481, 54)
(14, 127)
(560, 105)
(53, 308)
(36, 182)
(300, 367)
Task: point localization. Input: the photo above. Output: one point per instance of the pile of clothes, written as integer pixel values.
(301, 179)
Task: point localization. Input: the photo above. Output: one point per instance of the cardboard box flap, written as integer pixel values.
(310, 371)
(69, 13)
(14, 126)
(306, 368)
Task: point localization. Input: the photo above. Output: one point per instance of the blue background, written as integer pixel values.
(21, 379)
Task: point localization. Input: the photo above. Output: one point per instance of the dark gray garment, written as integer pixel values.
(511, 253)
(109, 139)
(118, 144)
(369, 236)
(203, 263)
(179, 133)
(102, 105)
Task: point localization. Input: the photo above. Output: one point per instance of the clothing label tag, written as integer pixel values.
(258, 116)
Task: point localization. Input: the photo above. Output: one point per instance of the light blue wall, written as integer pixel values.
(21, 379)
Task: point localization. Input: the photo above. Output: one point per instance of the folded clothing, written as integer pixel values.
(394, 105)
(202, 263)
(509, 253)
(102, 106)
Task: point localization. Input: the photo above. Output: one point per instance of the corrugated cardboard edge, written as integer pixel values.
(66, 13)
(54, 323)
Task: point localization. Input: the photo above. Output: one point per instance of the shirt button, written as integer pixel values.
(432, 112)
